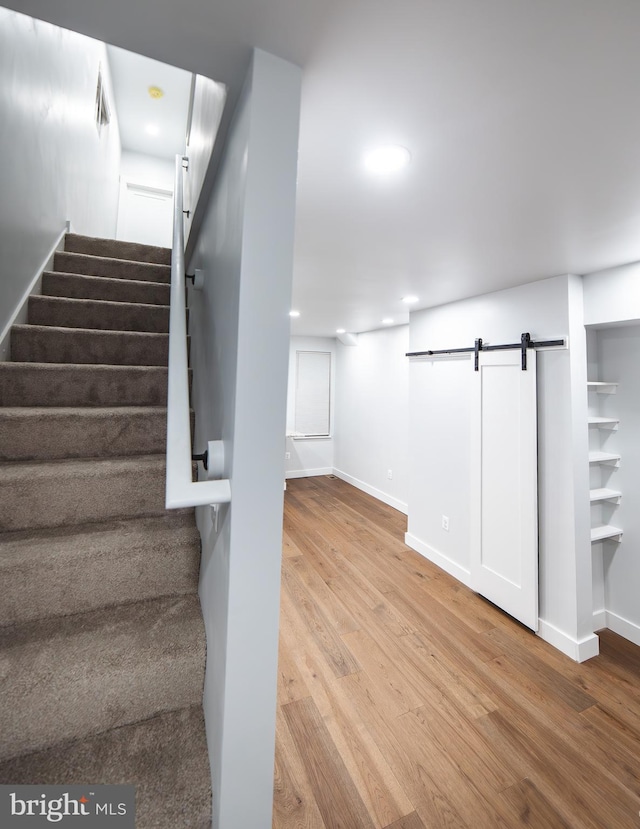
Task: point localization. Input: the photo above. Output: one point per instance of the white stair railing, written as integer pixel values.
(181, 490)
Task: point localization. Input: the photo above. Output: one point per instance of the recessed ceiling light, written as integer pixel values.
(340, 330)
(410, 299)
(155, 92)
(294, 313)
(151, 129)
(387, 321)
(389, 159)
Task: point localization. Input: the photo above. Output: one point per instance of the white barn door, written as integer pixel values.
(504, 484)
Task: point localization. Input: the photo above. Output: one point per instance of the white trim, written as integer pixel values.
(623, 627)
(599, 619)
(371, 490)
(443, 562)
(308, 473)
(20, 314)
(578, 650)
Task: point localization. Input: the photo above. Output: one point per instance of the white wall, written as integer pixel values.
(55, 166)
(439, 439)
(309, 456)
(372, 411)
(596, 480)
(209, 99)
(618, 357)
(240, 343)
(612, 295)
(149, 170)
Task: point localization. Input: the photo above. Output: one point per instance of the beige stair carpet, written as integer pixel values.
(102, 643)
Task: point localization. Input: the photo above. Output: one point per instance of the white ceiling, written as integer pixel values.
(522, 118)
(132, 75)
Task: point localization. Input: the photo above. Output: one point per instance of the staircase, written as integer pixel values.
(102, 644)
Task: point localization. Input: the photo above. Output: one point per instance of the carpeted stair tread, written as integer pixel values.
(108, 266)
(77, 286)
(100, 314)
(102, 644)
(60, 384)
(49, 344)
(39, 433)
(164, 757)
(116, 249)
(94, 671)
(117, 562)
(37, 494)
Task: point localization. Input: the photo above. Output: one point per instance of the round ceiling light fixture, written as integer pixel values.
(293, 313)
(410, 299)
(155, 92)
(387, 321)
(388, 159)
(341, 331)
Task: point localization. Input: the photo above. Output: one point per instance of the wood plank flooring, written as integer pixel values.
(405, 701)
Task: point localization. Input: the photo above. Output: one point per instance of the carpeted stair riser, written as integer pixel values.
(113, 268)
(89, 313)
(57, 384)
(109, 563)
(90, 672)
(42, 494)
(101, 636)
(77, 286)
(46, 344)
(114, 249)
(32, 433)
(166, 757)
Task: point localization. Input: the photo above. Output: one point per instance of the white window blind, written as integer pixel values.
(313, 393)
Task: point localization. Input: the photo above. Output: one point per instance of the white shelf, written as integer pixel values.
(605, 531)
(604, 421)
(602, 387)
(603, 457)
(603, 494)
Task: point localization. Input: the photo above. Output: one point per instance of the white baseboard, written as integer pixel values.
(448, 565)
(623, 627)
(19, 316)
(308, 473)
(578, 650)
(371, 490)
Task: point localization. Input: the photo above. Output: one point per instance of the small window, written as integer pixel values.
(313, 393)
(103, 113)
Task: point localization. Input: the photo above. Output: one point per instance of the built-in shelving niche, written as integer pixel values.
(613, 415)
(603, 495)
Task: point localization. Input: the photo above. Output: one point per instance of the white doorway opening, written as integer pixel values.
(145, 214)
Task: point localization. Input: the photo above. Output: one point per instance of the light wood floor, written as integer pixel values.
(408, 702)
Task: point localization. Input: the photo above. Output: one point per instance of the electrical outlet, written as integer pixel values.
(445, 523)
(390, 474)
(287, 456)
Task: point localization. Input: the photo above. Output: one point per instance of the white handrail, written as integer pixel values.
(181, 490)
